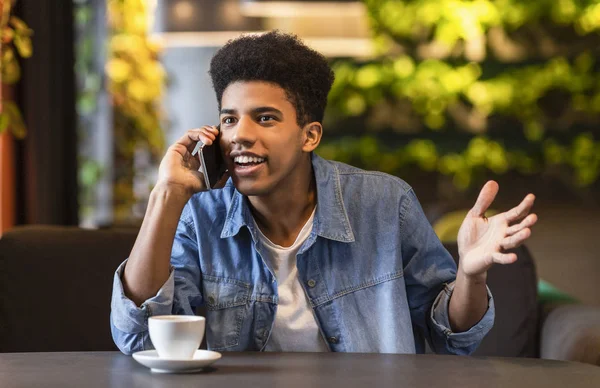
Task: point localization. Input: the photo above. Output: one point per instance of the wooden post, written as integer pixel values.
(7, 172)
(7, 182)
(7, 168)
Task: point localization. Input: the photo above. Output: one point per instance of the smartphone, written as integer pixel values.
(213, 166)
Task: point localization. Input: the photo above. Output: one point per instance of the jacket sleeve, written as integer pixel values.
(179, 295)
(429, 273)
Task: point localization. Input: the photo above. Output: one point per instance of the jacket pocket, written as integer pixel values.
(226, 302)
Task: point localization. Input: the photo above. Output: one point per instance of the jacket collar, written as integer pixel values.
(331, 218)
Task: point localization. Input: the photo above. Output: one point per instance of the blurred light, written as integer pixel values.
(334, 28)
(201, 23)
(303, 8)
(342, 29)
(337, 47)
(203, 15)
(183, 10)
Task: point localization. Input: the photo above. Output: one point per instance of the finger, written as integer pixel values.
(516, 239)
(208, 130)
(193, 136)
(485, 199)
(212, 128)
(504, 258)
(528, 222)
(208, 135)
(520, 211)
(189, 139)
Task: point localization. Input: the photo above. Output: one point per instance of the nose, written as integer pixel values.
(245, 132)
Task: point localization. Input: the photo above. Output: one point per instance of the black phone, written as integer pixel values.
(213, 166)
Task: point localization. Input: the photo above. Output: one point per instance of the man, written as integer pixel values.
(296, 253)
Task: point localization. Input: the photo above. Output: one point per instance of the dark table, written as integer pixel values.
(303, 370)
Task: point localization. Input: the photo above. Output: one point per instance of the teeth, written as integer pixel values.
(248, 159)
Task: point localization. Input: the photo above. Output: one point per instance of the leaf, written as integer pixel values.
(3, 122)
(86, 49)
(23, 45)
(7, 55)
(83, 15)
(86, 104)
(16, 123)
(19, 24)
(89, 173)
(11, 72)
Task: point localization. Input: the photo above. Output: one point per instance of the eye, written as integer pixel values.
(264, 119)
(228, 120)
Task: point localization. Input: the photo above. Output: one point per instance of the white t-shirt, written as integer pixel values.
(295, 328)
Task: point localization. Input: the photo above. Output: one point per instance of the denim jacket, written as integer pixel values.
(374, 272)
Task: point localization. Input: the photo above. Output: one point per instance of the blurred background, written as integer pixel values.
(445, 94)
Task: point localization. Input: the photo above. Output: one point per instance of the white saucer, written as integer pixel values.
(201, 359)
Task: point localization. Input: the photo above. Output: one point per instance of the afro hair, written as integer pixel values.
(277, 58)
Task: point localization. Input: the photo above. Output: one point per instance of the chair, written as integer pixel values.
(515, 331)
(55, 287)
(533, 319)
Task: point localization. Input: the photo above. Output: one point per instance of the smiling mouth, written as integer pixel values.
(248, 161)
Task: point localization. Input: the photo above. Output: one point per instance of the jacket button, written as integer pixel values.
(211, 300)
(312, 283)
(333, 340)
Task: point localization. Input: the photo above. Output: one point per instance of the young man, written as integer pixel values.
(296, 253)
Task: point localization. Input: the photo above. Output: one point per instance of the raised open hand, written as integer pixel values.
(482, 241)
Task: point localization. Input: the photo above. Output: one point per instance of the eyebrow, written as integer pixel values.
(260, 109)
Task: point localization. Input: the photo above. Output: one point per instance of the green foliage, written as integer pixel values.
(464, 164)
(11, 117)
(16, 39)
(136, 84)
(88, 91)
(450, 21)
(517, 81)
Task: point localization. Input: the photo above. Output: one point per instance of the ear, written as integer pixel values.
(312, 133)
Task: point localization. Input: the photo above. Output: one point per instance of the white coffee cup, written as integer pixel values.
(176, 337)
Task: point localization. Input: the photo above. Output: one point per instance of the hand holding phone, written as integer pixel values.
(212, 164)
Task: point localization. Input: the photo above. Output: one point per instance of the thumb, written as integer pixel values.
(485, 198)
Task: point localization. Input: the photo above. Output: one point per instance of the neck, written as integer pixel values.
(281, 214)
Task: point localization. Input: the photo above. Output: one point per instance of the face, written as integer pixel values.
(263, 146)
